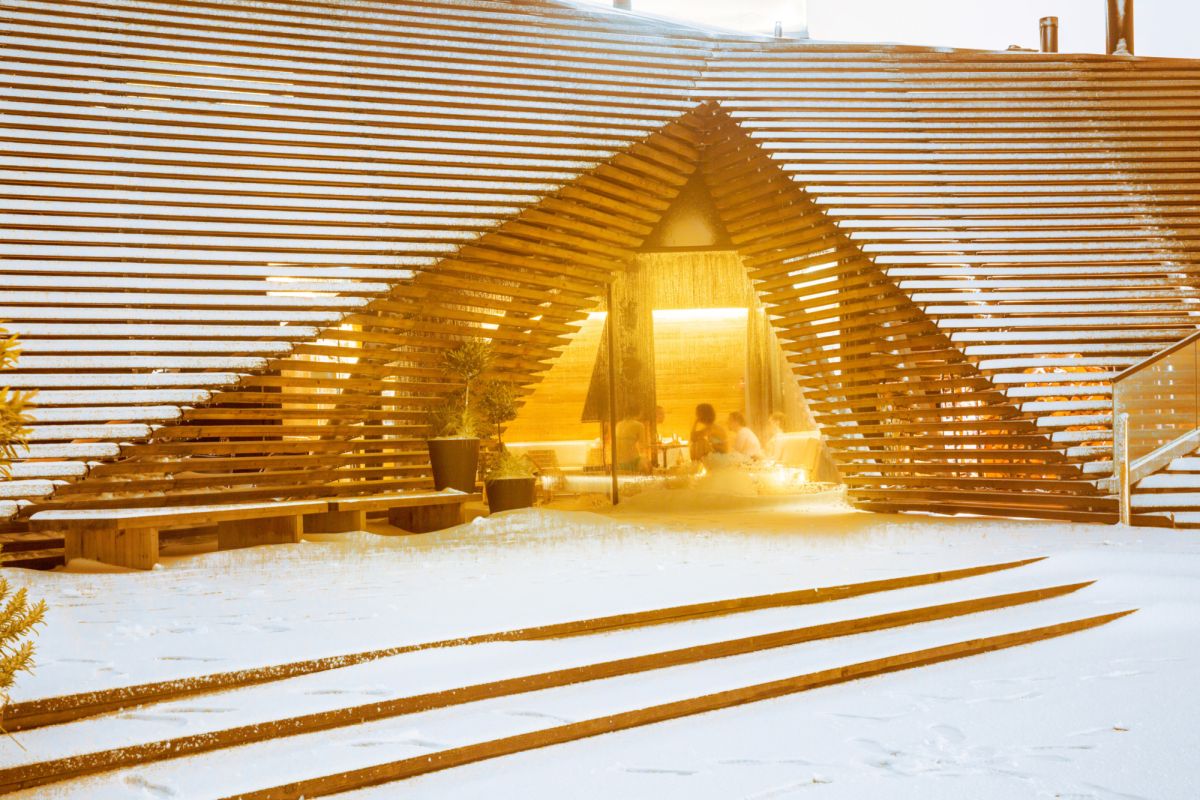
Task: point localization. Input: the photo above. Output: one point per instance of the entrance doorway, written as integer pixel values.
(689, 330)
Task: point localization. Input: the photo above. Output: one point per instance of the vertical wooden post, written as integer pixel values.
(232, 534)
(1121, 466)
(106, 543)
(612, 392)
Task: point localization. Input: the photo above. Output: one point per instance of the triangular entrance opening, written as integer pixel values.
(689, 330)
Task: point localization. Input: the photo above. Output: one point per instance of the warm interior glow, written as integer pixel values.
(697, 314)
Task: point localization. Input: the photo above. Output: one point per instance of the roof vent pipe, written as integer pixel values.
(778, 29)
(1049, 27)
(1120, 27)
(624, 5)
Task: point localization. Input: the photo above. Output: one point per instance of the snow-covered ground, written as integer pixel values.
(1106, 713)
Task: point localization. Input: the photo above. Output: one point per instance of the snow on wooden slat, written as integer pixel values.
(118, 380)
(137, 362)
(25, 488)
(46, 398)
(277, 299)
(166, 314)
(183, 331)
(70, 450)
(42, 346)
(149, 208)
(52, 469)
(102, 413)
(113, 432)
(189, 286)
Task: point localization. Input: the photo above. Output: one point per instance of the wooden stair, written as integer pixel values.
(642, 663)
(1173, 492)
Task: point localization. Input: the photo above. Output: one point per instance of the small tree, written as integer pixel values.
(466, 363)
(497, 405)
(18, 618)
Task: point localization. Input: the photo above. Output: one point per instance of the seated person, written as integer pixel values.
(775, 429)
(709, 442)
(745, 442)
(633, 444)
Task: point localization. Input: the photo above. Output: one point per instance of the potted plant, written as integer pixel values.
(454, 445)
(509, 479)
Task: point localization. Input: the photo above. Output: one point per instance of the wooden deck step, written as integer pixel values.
(43, 773)
(454, 757)
(65, 708)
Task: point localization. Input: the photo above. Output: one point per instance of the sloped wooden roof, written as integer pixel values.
(1041, 208)
(191, 189)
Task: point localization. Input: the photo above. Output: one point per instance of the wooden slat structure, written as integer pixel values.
(237, 237)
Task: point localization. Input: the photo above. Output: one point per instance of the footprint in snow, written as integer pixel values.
(428, 744)
(949, 733)
(869, 717)
(1050, 757)
(152, 789)
(1113, 794)
(1007, 698)
(660, 771)
(368, 692)
(874, 746)
(1064, 747)
(537, 715)
(1017, 679)
(787, 788)
(140, 717)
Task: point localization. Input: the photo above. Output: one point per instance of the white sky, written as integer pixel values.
(1162, 27)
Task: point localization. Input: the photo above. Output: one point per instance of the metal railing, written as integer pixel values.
(1156, 414)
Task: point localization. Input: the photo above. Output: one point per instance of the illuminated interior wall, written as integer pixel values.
(711, 344)
(700, 357)
(552, 411)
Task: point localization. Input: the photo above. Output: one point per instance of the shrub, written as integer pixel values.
(12, 408)
(497, 405)
(506, 465)
(18, 619)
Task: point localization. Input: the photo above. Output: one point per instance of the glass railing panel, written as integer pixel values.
(1162, 400)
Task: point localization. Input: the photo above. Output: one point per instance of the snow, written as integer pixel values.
(1105, 713)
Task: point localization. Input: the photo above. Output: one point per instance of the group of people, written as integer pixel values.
(715, 445)
(710, 443)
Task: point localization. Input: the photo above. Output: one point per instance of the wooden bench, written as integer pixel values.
(416, 512)
(128, 537)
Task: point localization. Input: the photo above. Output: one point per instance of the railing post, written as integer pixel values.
(1121, 465)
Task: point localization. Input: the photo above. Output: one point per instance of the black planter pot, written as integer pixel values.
(504, 494)
(454, 462)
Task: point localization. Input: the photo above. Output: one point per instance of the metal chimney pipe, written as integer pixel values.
(1049, 28)
(1120, 27)
(624, 5)
(778, 29)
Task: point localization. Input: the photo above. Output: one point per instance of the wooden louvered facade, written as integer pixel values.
(237, 237)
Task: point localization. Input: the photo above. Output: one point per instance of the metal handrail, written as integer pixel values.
(1149, 360)
(1127, 471)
